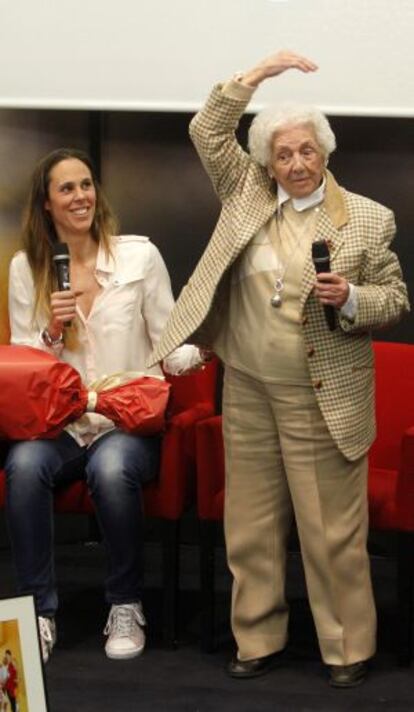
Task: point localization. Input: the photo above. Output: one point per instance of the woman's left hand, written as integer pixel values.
(332, 289)
(186, 359)
(205, 356)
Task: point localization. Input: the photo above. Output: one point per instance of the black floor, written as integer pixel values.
(81, 679)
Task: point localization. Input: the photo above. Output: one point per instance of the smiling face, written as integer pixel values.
(71, 198)
(297, 162)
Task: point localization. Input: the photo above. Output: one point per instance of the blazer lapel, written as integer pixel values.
(332, 217)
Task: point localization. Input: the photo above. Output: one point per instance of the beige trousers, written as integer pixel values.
(279, 453)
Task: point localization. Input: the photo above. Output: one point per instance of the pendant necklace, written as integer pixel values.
(276, 299)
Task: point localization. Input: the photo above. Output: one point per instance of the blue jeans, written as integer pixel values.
(115, 466)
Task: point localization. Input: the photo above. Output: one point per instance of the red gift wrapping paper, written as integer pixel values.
(40, 395)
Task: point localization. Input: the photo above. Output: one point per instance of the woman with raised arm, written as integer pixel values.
(298, 401)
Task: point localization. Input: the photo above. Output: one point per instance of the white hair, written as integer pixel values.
(266, 124)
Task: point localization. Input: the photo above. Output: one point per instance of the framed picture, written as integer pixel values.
(22, 684)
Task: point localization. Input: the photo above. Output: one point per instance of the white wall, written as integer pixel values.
(165, 54)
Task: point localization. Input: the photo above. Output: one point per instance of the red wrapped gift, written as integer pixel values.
(39, 395)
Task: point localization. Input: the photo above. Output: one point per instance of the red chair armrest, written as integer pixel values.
(191, 416)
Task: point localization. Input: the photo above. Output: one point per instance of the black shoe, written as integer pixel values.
(347, 675)
(253, 668)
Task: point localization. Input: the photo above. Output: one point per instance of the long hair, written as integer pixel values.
(38, 230)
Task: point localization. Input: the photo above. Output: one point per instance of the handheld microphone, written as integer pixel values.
(320, 259)
(61, 260)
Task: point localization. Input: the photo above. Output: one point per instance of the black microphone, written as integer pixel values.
(61, 260)
(320, 258)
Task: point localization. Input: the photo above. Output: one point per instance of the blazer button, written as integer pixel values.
(310, 351)
(317, 384)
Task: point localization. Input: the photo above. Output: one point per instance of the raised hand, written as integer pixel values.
(276, 64)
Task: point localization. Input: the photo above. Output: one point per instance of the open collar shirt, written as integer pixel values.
(125, 321)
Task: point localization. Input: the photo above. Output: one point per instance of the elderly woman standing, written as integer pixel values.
(298, 405)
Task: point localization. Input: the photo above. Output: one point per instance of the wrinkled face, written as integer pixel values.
(297, 162)
(71, 197)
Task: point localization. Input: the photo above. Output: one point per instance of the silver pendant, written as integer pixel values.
(276, 300)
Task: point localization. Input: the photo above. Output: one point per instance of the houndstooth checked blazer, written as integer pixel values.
(358, 231)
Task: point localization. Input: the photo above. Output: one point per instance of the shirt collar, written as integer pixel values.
(300, 204)
(104, 262)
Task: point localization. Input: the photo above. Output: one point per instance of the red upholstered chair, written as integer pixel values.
(390, 489)
(391, 473)
(192, 398)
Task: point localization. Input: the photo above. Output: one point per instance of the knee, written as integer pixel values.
(109, 473)
(123, 463)
(27, 471)
(24, 465)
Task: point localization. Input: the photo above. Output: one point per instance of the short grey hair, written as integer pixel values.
(269, 121)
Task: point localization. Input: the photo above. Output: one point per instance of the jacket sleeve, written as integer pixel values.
(212, 131)
(158, 303)
(381, 293)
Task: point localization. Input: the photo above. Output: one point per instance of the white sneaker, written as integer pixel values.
(47, 630)
(124, 628)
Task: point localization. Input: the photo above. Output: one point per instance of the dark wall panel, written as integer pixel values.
(158, 187)
(153, 176)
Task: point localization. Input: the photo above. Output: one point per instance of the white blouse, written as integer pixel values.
(123, 326)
